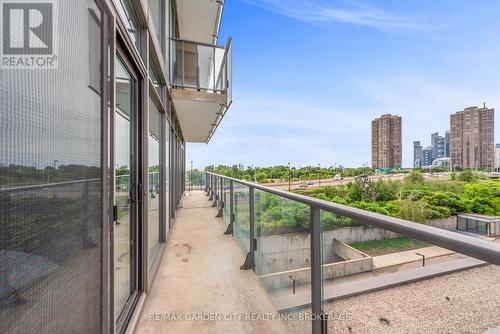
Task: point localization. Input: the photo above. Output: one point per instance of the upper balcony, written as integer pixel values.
(201, 86)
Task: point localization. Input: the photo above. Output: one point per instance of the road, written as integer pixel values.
(331, 182)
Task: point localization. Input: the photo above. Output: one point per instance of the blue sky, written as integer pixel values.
(309, 76)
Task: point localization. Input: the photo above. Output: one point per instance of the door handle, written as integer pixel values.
(132, 193)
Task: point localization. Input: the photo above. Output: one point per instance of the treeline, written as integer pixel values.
(418, 200)
(281, 173)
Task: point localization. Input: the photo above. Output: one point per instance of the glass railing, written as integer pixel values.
(322, 264)
(201, 66)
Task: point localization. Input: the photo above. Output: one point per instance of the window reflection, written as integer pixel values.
(129, 18)
(154, 136)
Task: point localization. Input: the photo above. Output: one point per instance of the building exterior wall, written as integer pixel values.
(472, 138)
(386, 142)
(62, 206)
(497, 157)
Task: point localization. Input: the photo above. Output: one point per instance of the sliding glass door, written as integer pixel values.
(126, 190)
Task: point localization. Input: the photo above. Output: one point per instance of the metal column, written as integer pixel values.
(216, 194)
(318, 317)
(211, 187)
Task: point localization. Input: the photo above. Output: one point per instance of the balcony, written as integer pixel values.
(201, 77)
(230, 260)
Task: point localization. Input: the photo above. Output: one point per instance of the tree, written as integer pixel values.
(261, 176)
(467, 176)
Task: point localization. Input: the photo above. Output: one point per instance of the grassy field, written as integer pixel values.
(387, 246)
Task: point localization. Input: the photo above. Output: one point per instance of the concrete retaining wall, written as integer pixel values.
(355, 262)
(285, 252)
(449, 223)
(350, 235)
(279, 256)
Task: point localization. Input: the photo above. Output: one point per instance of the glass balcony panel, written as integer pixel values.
(226, 198)
(220, 193)
(241, 227)
(229, 72)
(357, 258)
(283, 257)
(199, 66)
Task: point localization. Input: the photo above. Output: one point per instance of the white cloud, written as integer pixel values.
(315, 11)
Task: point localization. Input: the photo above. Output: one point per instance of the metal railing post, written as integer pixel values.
(231, 209)
(216, 194)
(210, 189)
(220, 214)
(206, 182)
(250, 260)
(318, 319)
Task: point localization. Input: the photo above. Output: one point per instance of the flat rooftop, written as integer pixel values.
(462, 302)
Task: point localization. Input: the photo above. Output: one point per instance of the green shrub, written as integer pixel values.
(415, 177)
(467, 176)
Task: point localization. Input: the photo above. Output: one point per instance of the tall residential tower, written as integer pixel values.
(472, 138)
(386, 142)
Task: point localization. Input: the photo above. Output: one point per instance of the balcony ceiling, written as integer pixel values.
(197, 113)
(199, 19)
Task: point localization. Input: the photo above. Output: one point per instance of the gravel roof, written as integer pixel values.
(463, 302)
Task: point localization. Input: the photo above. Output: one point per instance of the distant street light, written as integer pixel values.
(319, 165)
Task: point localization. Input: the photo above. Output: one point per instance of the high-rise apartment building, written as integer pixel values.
(497, 157)
(417, 154)
(386, 142)
(472, 138)
(92, 155)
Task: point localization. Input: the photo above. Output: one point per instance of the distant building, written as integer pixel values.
(478, 224)
(417, 154)
(442, 162)
(472, 138)
(438, 146)
(497, 157)
(427, 156)
(386, 142)
(447, 149)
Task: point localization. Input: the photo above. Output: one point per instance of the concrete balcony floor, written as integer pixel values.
(199, 276)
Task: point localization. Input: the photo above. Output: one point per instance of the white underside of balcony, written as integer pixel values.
(198, 20)
(198, 112)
